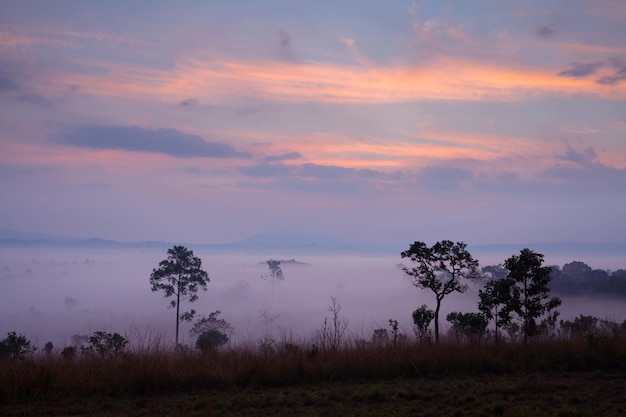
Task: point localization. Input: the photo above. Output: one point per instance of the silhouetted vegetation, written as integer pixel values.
(579, 278)
(180, 275)
(586, 343)
(15, 346)
(530, 290)
(211, 332)
(439, 268)
(105, 344)
(422, 317)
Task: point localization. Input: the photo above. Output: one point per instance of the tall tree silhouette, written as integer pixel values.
(439, 269)
(180, 275)
(531, 279)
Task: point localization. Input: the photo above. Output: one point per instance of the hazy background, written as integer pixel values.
(53, 293)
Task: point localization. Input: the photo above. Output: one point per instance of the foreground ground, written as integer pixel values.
(562, 394)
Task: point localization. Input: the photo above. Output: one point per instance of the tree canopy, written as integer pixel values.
(497, 301)
(180, 275)
(439, 269)
(531, 292)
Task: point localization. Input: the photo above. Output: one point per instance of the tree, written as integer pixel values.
(579, 327)
(469, 325)
(440, 268)
(180, 275)
(275, 275)
(497, 300)
(210, 341)
(211, 332)
(576, 270)
(48, 347)
(531, 293)
(105, 344)
(380, 337)
(422, 318)
(15, 346)
(333, 329)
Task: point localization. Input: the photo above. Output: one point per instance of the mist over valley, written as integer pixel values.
(53, 289)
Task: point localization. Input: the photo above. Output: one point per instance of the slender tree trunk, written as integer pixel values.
(177, 316)
(177, 309)
(525, 314)
(496, 320)
(437, 320)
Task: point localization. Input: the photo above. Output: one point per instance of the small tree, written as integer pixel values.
(211, 340)
(470, 325)
(395, 335)
(440, 268)
(48, 347)
(15, 346)
(211, 332)
(180, 275)
(334, 328)
(380, 337)
(579, 327)
(275, 273)
(105, 344)
(497, 302)
(531, 279)
(422, 318)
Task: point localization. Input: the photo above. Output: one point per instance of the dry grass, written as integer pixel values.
(155, 371)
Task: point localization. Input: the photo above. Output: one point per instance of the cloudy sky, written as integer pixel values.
(208, 121)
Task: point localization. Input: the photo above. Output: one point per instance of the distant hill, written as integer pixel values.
(286, 242)
(309, 243)
(13, 238)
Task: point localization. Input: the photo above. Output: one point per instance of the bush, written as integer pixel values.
(211, 340)
(68, 353)
(380, 337)
(48, 347)
(422, 318)
(15, 346)
(470, 325)
(105, 344)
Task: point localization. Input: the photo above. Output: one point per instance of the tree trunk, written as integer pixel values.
(177, 308)
(177, 316)
(496, 316)
(437, 320)
(525, 312)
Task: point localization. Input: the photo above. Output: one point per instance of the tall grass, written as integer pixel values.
(153, 369)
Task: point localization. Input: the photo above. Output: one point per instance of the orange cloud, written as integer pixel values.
(10, 41)
(444, 79)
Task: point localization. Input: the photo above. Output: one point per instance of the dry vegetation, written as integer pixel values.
(557, 377)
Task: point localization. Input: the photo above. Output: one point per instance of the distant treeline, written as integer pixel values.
(579, 278)
(576, 278)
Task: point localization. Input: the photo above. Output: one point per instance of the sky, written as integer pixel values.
(486, 121)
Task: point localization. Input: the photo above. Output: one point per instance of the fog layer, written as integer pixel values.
(52, 294)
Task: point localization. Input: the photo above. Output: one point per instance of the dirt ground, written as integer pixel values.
(535, 394)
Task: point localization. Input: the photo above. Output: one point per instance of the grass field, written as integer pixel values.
(548, 378)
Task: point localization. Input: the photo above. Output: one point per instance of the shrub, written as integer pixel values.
(68, 353)
(48, 348)
(211, 340)
(581, 326)
(105, 344)
(380, 337)
(470, 325)
(422, 318)
(15, 346)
